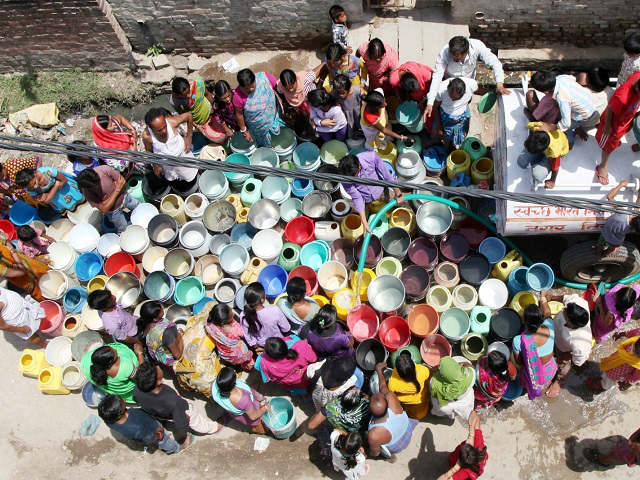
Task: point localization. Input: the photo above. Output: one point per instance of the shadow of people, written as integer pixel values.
(324, 464)
(429, 464)
(574, 452)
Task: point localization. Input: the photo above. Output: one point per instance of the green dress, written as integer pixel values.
(122, 384)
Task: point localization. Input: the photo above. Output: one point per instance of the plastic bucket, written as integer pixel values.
(91, 318)
(163, 230)
(120, 262)
(475, 269)
(374, 250)
(284, 143)
(540, 277)
(493, 293)
(439, 298)
(306, 156)
(72, 376)
(238, 144)
(473, 231)
(446, 274)
(125, 286)
(344, 300)
(9, 229)
(434, 159)
(227, 290)
(394, 333)
(369, 353)
(364, 279)
(315, 254)
(178, 263)
(195, 205)
(434, 219)
(189, 291)
(159, 286)
(195, 238)
(234, 259)
(276, 189)
(521, 300)
(281, 420)
(109, 244)
(332, 277)
(84, 238)
(423, 252)
(274, 280)
(58, 351)
(243, 233)
(267, 245)
(97, 283)
(301, 186)
(264, 157)
(53, 284)
(236, 178)
(473, 346)
(62, 256)
(300, 230)
(454, 247)
(342, 251)
(505, 324)
(20, 214)
(386, 293)
(134, 240)
(88, 265)
(433, 348)
(51, 324)
(493, 248)
(219, 216)
(389, 266)
(363, 322)
(517, 280)
(198, 307)
(218, 242)
(74, 299)
(454, 324)
(310, 278)
(143, 214)
(423, 320)
(395, 242)
(153, 259)
(465, 297)
(208, 270)
(416, 282)
(332, 151)
(290, 208)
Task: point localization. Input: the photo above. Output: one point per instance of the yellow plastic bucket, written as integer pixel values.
(252, 271)
(97, 283)
(351, 226)
(344, 300)
(31, 362)
(404, 218)
(502, 269)
(321, 300)
(521, 300)
(458, 161)
(366, 277)
(482, 169)
(50, 381)
(173, 205)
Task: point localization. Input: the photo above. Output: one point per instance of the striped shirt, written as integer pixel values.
(576, 102)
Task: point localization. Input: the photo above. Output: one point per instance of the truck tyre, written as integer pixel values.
(582, 263)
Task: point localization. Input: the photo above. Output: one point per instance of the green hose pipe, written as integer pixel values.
(423, 196)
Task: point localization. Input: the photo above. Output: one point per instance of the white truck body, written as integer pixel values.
(576, 178)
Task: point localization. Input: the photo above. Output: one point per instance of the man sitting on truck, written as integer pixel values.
(617, 225)
(544, 151)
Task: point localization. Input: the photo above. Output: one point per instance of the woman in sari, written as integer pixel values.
(611, 310)
(51, 187)
(229, 337)
(493, 374)
(194, 97)
(298, 309)
(293, 88)
(163, 339)
(328, 337)
(452, 388)
(243, 404)
(533, 349)
(21, 271)
(257, 107)
(114, 131)
(409, 383)
(8, 172)
(285, 362)
(112, 368)
(623, 367)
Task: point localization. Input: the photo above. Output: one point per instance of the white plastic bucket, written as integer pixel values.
(83, 238)
(234, 259)
(143, 214)
(72, 376)
(134, 240)
(109, 244)
(267, 245)
(465, 297)
(60, 229)
(62, 256)
(195, 237)
(58, 351)
(85, 213)
(153, 259)
(493, 293)
(54, 284)
(332, 277)
(195, 205)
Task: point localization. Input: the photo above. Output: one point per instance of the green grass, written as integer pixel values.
(73, 91)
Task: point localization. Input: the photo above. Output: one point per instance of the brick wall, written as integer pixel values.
(63, 34)
(208, 27)
(543, 23)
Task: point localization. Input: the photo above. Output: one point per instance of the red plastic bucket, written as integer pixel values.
(394, 333)
(309, 276)
(120, 262)
(300, 230)
(363, 322)
(473, 231)
(7, 227)
(53, 319)
(433, 348)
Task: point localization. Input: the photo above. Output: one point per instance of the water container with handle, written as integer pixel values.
(32, 362)
(503, 268)
(251, 191)
(482, 169)
(480, 319)
(458, 161)
(50, 381)
(474, 148)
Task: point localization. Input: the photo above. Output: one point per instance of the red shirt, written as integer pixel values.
(467, 473)
(421, 72)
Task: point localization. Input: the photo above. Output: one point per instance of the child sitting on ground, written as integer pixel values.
(340, 27)
(453, 101)
(32, 242)
(368, 165)
(374, 120)
(350, 100)
(617, 225)
(347, 454)
(631, 59)
(541, 146)
(135, 424)
(327, 116)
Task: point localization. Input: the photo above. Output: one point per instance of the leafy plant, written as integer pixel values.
(155, 50)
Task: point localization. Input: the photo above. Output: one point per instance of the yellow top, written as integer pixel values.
(416, 404)
(558, 141)
(621, 357)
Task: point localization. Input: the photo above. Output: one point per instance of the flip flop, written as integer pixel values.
(557, 391)
(601, 178)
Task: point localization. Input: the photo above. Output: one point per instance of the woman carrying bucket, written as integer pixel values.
(21, 316)
(243, 404)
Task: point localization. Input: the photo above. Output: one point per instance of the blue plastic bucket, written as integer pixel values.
(243, 234)
(237, 178)
(540, 277)
(88, 265)
(281, 420)
(198, 307)
(74, 300)
(274, 280)
(314, 254)
(306, 156)
(514, 390)
(454, 324)
(517, 280)
(301, 186)
(22, 213)
(434, 159)
(159, 286)
(493, 248)
(189, 291)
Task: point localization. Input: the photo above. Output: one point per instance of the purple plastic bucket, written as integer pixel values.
(424, 253)
(454, 247)
(416, 282)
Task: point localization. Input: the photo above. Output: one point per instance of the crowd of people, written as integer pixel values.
(298, 344)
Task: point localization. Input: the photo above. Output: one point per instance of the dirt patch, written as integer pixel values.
(18, 445)
(87, 451)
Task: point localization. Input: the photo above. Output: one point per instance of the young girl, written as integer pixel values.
(327, 116)
(374, 121)
(347, 454)
(327, 337)
(611, 310)
(32, 242)
(222, 108)
(468, 460)
(51, 187)
(81, 161)
(350, 99)
(229, 338)
(260, 321)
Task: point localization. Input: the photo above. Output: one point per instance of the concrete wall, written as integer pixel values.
(543, 23)
(209, 27)
(43, 34)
